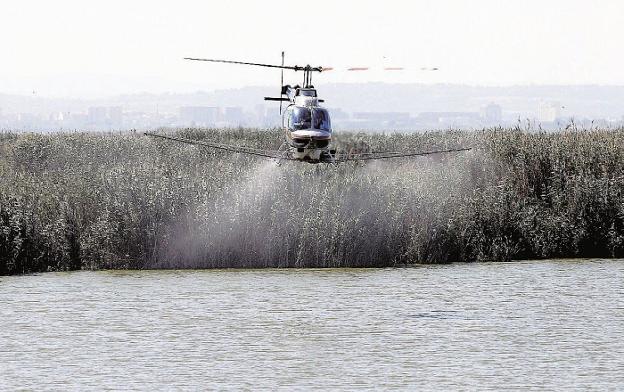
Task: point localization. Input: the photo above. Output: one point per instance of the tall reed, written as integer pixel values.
(123, 200)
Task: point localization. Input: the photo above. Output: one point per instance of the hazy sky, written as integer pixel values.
(85, 48)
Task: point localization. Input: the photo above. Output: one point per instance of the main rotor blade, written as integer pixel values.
(295, 68)
(351, 69)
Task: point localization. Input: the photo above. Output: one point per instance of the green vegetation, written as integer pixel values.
(83, 200)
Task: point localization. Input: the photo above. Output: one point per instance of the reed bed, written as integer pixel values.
(122, 200)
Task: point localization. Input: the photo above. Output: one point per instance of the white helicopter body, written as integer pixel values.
(305, 122)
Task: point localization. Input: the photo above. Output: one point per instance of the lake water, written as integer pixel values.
(538, 324)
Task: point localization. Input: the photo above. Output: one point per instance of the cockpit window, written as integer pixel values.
(321, 119)
(308, 118)
(300, 118)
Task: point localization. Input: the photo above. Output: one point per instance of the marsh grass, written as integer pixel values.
(123, 200)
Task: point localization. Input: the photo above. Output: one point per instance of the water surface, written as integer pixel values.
(536, 324)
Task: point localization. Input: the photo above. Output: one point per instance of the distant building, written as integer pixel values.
(448, 117)
(27, 120)
(97, 115)
(79, 119)
(371, 120)
(105, 117)
(115, 116)
(202, 116)
(493, 113)
(338, 114)
(428, 117)
(549, 111)
(381, 116)
(57, 117)
(260, 112)
(234, 116)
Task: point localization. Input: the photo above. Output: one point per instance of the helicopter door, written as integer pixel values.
(320, 119)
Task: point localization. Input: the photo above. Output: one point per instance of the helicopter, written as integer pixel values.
(306, 124)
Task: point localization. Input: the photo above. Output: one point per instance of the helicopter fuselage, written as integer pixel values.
(307, 126)
(305, 122)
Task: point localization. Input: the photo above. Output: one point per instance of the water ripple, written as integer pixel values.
(524, 325)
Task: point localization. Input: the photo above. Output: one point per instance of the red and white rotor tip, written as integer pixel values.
(376, 69)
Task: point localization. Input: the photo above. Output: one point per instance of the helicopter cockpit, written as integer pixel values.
(303, 118)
